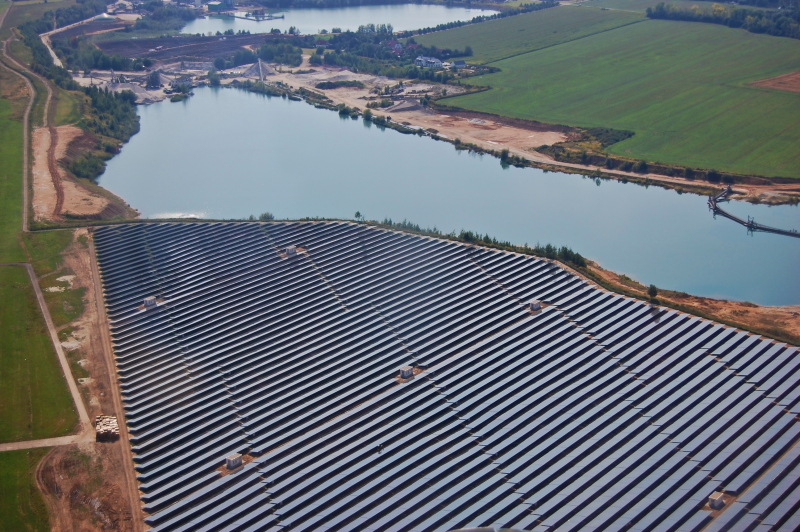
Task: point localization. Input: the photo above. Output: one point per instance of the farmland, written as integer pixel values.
(681, 86)
(504, 38)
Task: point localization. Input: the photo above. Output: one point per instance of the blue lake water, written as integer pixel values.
(401, 16)
(226, 153)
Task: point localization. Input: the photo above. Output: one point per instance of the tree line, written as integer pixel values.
(780, 23)
(523, 8)
(563, 253)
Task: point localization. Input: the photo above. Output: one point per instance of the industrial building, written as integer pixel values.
(335, 376)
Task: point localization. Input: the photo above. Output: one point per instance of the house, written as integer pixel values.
(394, 45)
(427, 62)
(459, 64)
(215, 7)
(322, 43)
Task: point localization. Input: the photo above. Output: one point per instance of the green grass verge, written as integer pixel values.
(68, 108)
(21, 505)
(507, 37)
(10, 185)
(34, 399)
(45, 249)
(681, 86)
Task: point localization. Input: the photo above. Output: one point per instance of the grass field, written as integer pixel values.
(10, 183)
(34, 400)
(25, 11)
(21, 504)
(507, 37)
(681, 86)
(68, 109)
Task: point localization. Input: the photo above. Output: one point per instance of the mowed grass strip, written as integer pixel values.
(34, 399)
(681, 86)
(10, 180)
(21, 504)
(507, 37)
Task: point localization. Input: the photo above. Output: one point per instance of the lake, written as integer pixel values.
(226, 153)
(310, 21)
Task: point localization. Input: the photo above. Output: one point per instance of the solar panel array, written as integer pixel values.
(597, 412)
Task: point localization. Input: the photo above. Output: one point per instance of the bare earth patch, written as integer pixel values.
(44, 192)
(78, 200)
(486, 133)
(787, 82)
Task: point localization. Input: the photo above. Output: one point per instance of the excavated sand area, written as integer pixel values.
(44, 191)
(78, 200)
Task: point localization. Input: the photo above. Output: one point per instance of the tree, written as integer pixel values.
(359, 216)
(219, 63)
(266, 217)
(652, 291)
(213, 78)
(468, 51)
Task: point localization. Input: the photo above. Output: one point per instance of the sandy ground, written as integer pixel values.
(487, 134)
(85, 485)
(77, 199)
(44, 192)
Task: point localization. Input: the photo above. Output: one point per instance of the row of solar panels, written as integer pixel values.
(598, 412)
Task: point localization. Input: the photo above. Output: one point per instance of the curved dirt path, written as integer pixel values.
(47, 121)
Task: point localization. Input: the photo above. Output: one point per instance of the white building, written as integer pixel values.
(427, 62)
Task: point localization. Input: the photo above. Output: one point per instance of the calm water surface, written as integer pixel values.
(225, 153)
(402, 17)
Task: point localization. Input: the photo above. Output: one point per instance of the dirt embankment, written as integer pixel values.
(56, 193)
(85, 485)
(781, 323)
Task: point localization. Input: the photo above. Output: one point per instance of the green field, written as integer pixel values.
(10, 183)
(34, 400)
(26, 11)
(681, 86)
(21, 504)
(507, 37)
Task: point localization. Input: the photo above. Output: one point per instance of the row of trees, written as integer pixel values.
(66, 15)
(78, 54)
(782, 23)
(523, 8)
